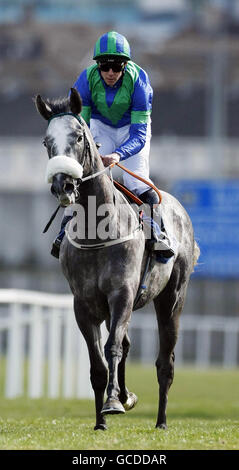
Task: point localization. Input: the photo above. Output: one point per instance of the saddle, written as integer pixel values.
(129, 195)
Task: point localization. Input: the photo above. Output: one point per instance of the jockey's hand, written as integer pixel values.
(111, 158)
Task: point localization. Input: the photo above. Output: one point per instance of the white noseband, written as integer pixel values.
(63, 164)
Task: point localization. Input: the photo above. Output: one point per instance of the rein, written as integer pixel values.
(86, 148)
(141, 179)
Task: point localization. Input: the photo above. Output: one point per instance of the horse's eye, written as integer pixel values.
(44, 143)
(79, 138)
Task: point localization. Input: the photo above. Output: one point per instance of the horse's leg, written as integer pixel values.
(98, 369)
(128, 399)
(120, 304)
(168, 307)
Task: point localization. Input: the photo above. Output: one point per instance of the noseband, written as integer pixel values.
(86, 148)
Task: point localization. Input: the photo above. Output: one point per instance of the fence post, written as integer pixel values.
(54, 353)
(83, 385)
(68, 356)
(36, 354)
(148, 344)
(203, 341)
(179, 349)
(14, 374)
(230, 348)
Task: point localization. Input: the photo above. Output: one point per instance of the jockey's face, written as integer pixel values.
(111, 77)
(111, 70)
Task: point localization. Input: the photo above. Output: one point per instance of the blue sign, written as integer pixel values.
(214, 210)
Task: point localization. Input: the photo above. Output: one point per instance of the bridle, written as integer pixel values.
(86, 148)
(79, 181)
(86, 145)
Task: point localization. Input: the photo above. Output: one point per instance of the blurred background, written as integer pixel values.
(190, 49)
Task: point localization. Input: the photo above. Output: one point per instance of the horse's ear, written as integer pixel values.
(75, 101)
(43, 108)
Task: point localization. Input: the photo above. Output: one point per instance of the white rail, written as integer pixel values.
(41, 328)
(201, 330)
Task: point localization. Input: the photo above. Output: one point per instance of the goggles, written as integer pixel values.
(115, 66)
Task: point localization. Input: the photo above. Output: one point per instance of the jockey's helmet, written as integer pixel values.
(112, 45)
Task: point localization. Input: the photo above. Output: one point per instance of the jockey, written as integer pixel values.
(117, 101)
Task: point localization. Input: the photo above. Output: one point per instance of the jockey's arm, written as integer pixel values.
(135, 142)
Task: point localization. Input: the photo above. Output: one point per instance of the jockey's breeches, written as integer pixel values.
(111, 138)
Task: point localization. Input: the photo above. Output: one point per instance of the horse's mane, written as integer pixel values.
(60, 105)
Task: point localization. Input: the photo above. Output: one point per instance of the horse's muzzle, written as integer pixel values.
(64, 188)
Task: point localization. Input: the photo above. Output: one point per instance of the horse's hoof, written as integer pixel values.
(162, 426)
(112, 407)
(101, 427)
(130, 402)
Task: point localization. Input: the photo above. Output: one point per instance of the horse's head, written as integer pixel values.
(66, 145)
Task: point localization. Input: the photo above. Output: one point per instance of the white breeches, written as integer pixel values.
(110, 138)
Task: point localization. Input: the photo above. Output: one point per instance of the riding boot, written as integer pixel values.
(159, 240)
(55, 251)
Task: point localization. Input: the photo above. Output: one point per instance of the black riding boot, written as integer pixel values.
(159, 239)
(55, 251)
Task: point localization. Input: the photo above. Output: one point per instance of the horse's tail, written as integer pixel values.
(196, 253)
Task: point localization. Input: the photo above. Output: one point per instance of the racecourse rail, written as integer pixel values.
(44, 353)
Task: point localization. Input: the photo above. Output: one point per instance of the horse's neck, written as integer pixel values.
(100, 199)
(106, 210)
(101, 188)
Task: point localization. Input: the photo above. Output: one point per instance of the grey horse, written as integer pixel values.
(105, 277)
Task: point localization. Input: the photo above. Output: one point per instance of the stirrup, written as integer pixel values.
(161, 244)
(164, 249)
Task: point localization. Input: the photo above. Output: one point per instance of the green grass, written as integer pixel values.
(203, 413)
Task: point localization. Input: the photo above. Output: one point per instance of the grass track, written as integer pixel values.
(203, 413)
